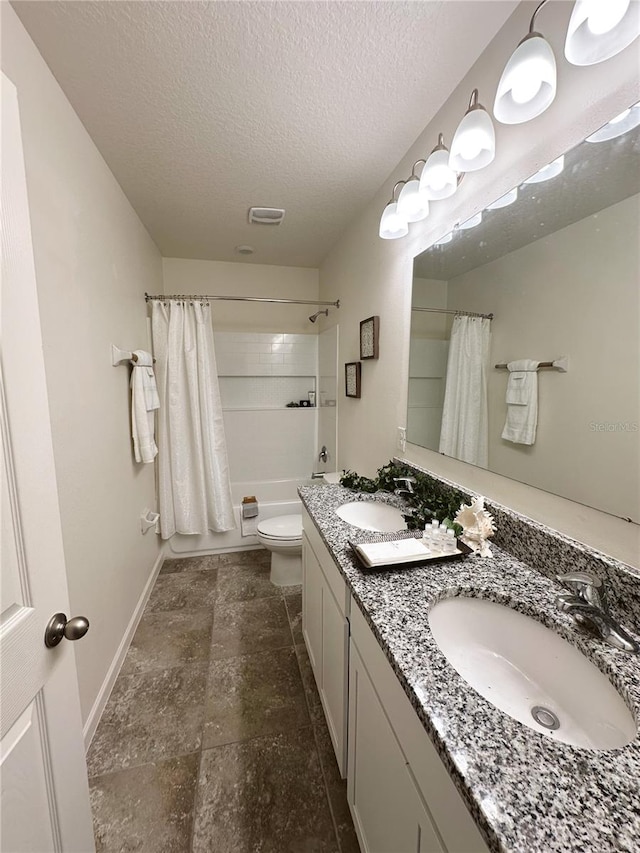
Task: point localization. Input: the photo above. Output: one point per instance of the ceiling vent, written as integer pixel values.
(266, 215)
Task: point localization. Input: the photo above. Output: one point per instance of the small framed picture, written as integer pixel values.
(369, 332)
(352, 379)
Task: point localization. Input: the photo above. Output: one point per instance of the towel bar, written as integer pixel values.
(121, 356)
(561, 364)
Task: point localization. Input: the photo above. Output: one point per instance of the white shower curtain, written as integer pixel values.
(194, 488)
(464, 431)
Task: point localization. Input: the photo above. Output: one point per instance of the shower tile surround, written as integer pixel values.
(525, 791)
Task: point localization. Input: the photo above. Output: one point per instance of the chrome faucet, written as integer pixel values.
(324, 454)
(409, 481)
(586, 601)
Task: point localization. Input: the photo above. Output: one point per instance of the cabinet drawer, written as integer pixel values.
(454, 823)
(331, 572)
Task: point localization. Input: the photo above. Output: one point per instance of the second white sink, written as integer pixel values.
(531, 673)
(372, 515)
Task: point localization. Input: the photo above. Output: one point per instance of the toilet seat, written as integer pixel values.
(282, 528)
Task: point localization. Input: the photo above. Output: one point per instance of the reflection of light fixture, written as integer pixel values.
(438, 179)
(504, 200)
(551, 170)
(599, 29)
(618, 126)
(471, 222)
(528, 83)
(413, 204)
(474, 142)
(392, 225)
(446, 239)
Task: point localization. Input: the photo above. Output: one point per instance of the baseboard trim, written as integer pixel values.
(102, 698)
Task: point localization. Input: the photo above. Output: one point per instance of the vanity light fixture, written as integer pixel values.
(392, 225)
(528, 83)
(504, 200)
(551, 170)
(599, 29)
(474, 142)
(471, 222)
(413, 204)
(438, 180)
(618, 126)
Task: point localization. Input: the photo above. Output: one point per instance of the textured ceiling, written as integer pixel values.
(202, 109)
(595, 176)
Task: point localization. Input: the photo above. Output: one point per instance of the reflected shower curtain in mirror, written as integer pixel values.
(464, 430)
(193, 471)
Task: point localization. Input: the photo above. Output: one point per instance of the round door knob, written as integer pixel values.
(60, 628)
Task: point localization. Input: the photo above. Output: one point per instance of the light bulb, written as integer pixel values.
(438, 180)
(618, 126)
(413, 206)
(528, 83)
(392, 225)
(474, 142)
(599, 29)
(504, 200)
(551, 170)
(604, 15)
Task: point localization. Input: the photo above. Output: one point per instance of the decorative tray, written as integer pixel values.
(407, 556)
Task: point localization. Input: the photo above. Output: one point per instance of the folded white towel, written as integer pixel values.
(522, 402)
(397, 551)
(144, 401)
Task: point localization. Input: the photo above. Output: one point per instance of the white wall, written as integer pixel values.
(221, 278)
(326, 399)
(574, 292)
(94, 260)
(373, 276)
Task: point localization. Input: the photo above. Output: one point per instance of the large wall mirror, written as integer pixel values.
(548, 272)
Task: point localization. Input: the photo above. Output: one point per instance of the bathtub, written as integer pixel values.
(275, 497)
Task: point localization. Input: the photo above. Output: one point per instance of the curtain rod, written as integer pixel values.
(453, 311)
(194, 298)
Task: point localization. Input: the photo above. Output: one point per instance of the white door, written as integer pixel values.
(43, 774)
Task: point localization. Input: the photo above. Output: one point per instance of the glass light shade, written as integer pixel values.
(471, 222)
(528, 83)
(599, 29)
(474, 143)
(446, 239)
(438, 180)
(618, 126)
(504, 200)
(392, 225)
(551, 170)
(413, 205)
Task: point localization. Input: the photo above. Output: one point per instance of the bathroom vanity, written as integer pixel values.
(431, 766)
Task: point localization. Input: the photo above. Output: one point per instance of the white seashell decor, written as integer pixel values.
(477, 525)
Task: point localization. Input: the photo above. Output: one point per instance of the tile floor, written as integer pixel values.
(213, 739)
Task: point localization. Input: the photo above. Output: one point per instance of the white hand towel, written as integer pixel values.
(522, 402)
(144, 401)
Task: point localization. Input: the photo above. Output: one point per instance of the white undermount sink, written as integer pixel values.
(372, 515)
(531, 673)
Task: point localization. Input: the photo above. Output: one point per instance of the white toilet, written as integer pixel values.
(282, 536)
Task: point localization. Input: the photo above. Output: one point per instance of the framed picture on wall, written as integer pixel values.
(369, 332)
(352, 378)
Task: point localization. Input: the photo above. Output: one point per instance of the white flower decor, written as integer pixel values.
(478, 526)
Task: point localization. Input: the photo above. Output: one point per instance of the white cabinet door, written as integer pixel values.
(335, 674)
(45, 795)
(387, 810)
(312, 588)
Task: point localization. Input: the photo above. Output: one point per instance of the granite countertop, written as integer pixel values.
(525, 791)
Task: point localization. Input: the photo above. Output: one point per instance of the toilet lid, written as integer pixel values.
(282, 527)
